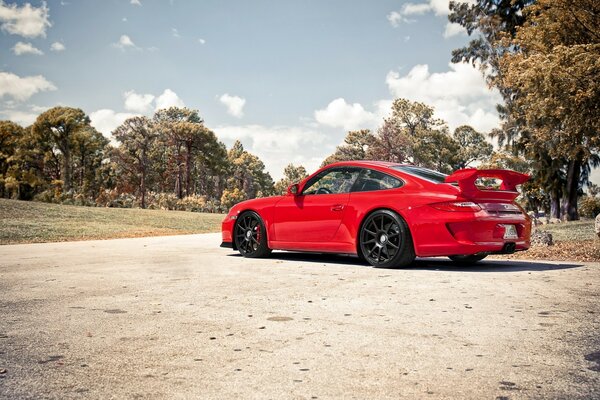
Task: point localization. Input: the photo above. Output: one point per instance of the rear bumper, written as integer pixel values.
(447, 234)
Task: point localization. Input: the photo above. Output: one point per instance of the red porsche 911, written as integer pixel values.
(386, 213)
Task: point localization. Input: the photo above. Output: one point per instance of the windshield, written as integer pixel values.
(423, 173)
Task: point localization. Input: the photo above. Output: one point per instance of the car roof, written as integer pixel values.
(363, 163)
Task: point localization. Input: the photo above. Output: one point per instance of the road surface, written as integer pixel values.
(178, 317)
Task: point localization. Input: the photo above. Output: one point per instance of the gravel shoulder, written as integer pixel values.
(179, 317)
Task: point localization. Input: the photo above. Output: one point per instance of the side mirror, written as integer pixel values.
(293, 189)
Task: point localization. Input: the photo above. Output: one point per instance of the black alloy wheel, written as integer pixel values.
(385, 241)
(251, 236)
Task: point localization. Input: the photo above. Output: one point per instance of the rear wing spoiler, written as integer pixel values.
(508, 189)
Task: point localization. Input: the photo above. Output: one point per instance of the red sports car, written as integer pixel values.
(386, 213)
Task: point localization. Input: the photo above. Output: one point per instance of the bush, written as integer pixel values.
(161, 201)
(589, 206)
(192, 203)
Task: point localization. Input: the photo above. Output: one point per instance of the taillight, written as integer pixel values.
(457, 206)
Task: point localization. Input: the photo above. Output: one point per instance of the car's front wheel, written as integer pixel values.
(251, 235)
(468, 259)
(385, 241)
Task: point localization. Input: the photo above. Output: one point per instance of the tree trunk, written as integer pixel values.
(573, 175)
(143, 188)
(144, 163)
(188, 169)
(178, 181)
(66, 168)
(555, 204)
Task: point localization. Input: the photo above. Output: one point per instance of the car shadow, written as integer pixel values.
(427, 264)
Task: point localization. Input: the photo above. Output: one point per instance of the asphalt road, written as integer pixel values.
(179, 317)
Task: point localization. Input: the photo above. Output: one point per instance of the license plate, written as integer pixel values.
(510, 232)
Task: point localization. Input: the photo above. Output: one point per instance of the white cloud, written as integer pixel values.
(437, 7)
(124, 19)
(235, 104)
(338, 113)
(139, 103)
(26, 48)
(168, 99)
(27, 20)
(22, 118)
(395, 18)
(416, 9)
(459, 95)
(135, 2)
(22, 88)
(278, 146)
(106, 120)
(201, 41)
(57, 46)
(175, 33)
(124, 42)
(453, 29)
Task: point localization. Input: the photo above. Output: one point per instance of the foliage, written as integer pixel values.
(554, 74)
(137, 137)
(472, 146)
(356, 147)
(589, 206)
(543, 58)
(233, 196)
(291, 174)
(248, 175)
(172, 161)
(57, 127)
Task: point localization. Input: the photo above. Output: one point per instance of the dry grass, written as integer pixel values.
(573, 241)
(32, 222)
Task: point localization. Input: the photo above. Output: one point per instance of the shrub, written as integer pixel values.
(589, 206)
(192, 203)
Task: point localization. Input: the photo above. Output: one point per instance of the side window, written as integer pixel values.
(370, 180)
(335, 180)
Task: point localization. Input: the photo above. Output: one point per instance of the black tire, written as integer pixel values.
(468, 259)
(385, 241)
(250, 235)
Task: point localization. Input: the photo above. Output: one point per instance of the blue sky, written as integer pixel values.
(287, 78)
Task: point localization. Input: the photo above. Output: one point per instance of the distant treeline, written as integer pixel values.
(174, 161)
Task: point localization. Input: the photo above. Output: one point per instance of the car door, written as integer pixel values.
(316, 213)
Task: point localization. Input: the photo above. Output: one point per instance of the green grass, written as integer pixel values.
(33, 222)
(574, 231)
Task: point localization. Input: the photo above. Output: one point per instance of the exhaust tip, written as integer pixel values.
(509, 248)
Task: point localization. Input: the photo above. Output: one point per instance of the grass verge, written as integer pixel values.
(573, 241)
(33, 222)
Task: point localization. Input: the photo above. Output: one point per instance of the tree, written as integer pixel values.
(10, 134)
(136, 137)
(291, 174)
(60, 124)
(492, 21)
(192, 154)
(554, 73)
(248, 173)
(472, 146)
(180, 128)
(356, 147)
(412, 134)
(90, 148)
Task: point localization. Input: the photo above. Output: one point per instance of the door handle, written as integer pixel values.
(337, 207)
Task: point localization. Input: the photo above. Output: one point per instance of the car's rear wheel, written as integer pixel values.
(385, 240)
(251, 235)
(468, 259)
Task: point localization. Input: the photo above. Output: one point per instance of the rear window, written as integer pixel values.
(424, 173)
